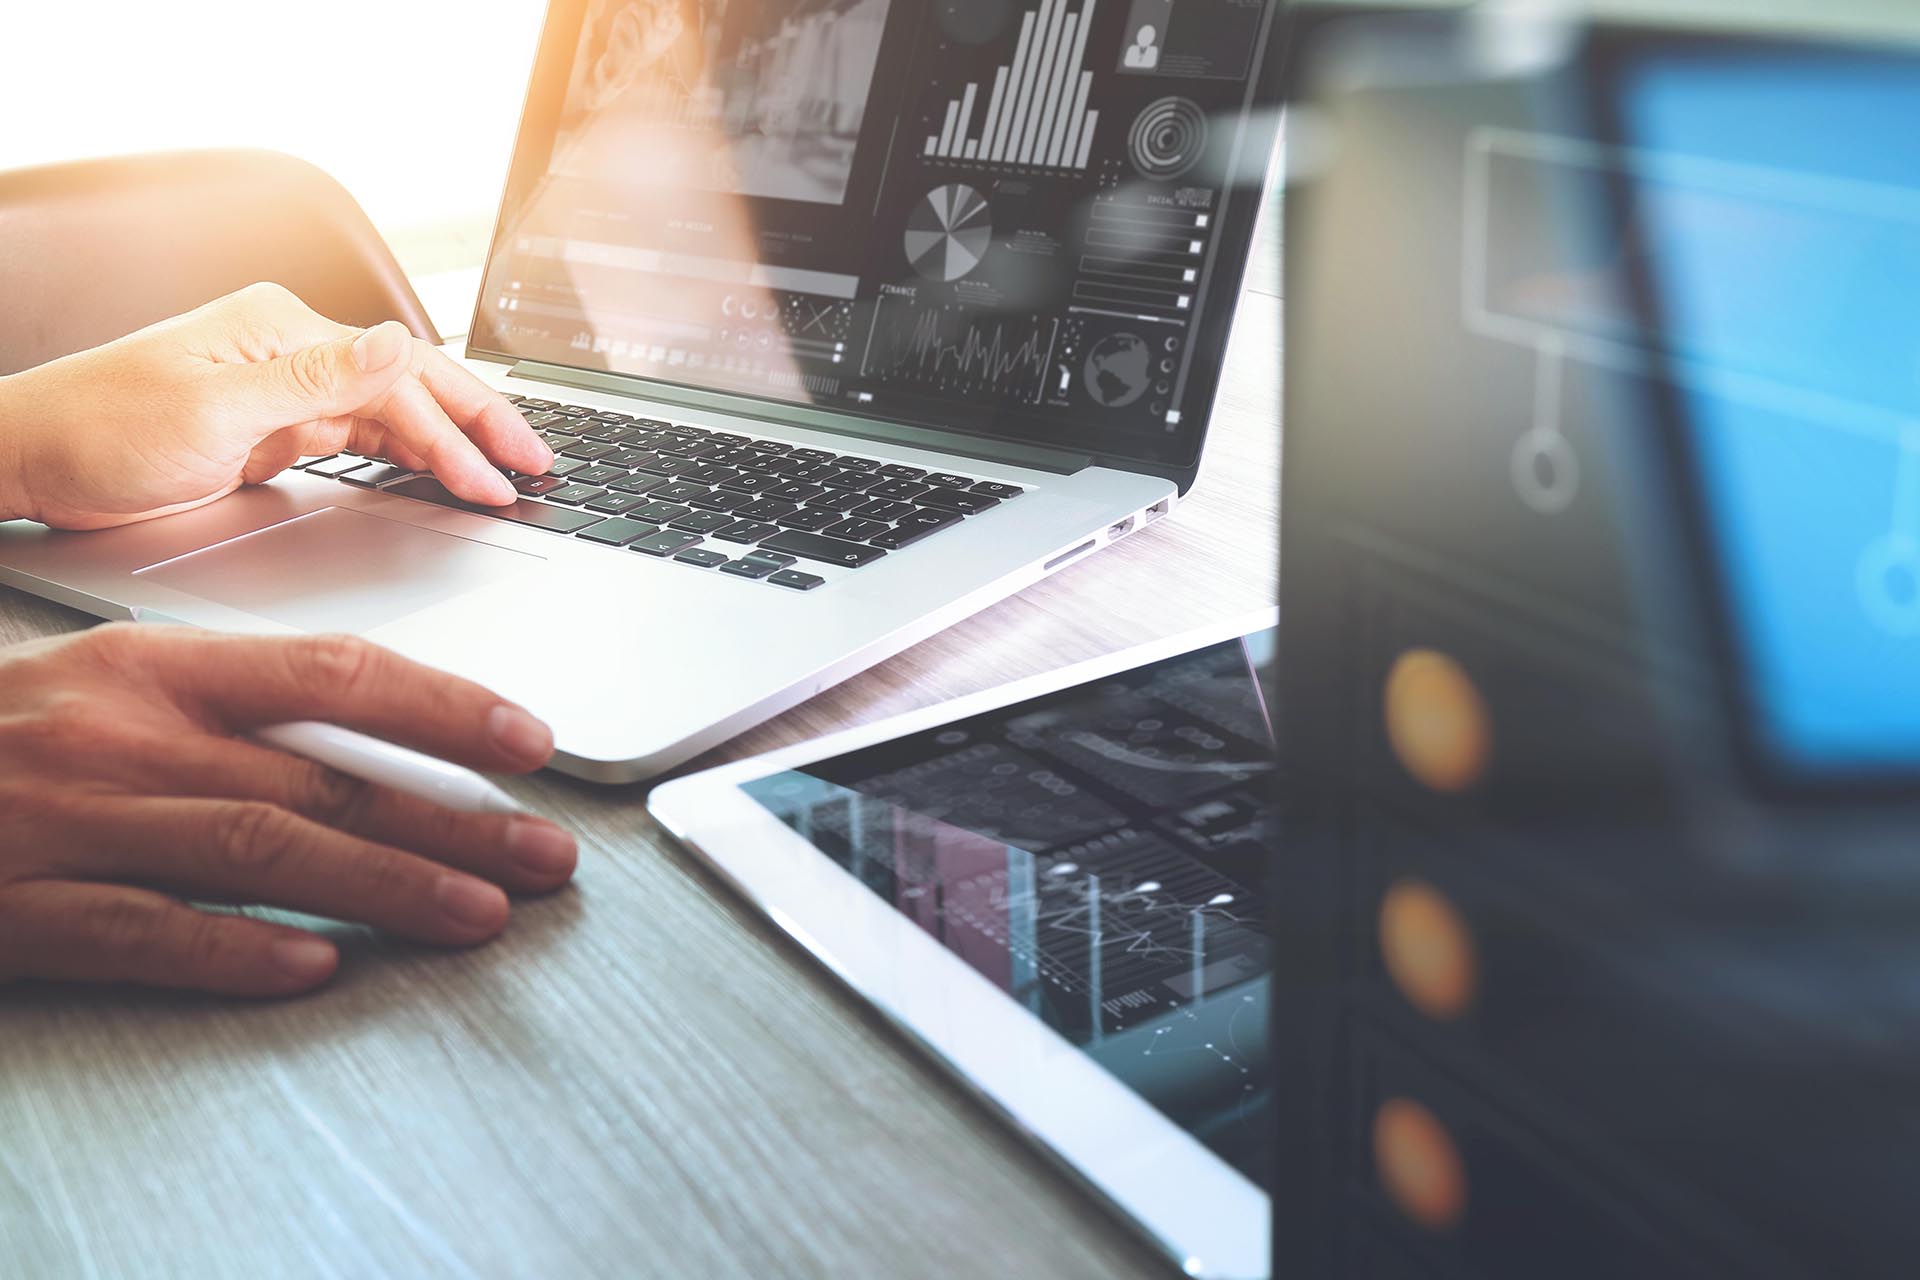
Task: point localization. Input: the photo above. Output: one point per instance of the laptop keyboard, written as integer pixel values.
(758, 510)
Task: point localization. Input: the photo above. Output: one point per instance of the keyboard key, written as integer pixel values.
(510, 398)
(608, 415)
(611, 433)
(946, 480)
(702, 556)
(687, 429)
(851, 463)
(897, 490)
(812, 546)
(856, 530)
(599, 473)
(541, 421)
(665, 543)
(566, 466)
(771, 446)
(627, 459)
(708, 473)
(618, 533)
(767, 509)
(377, 474)
(721, 500)
(895, 471)
(750, 567)
(793, 491)
(903, 535)
(812, 518)
(750, 483)
(702, 522)
(529, 402)
(849, 480)
(746, 531)
(810, 455)
(839, 500)
(733, 457)
(957, 500)
(761, 464)
(575, 494)
(665, 467)
(927, 518)
(534, 486)
(537, 514)
(661, 512)
(882, 510)
(679, 491)
(557, 440)
(809, 470)
(994, 489)
(339, 464)
(726, 437)
(616, 504)
(795, 580)
(638, 484)
(589, 451)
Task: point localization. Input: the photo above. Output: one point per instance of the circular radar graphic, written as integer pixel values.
(948, 232)
(1167, 138)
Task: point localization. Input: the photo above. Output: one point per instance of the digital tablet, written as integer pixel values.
(1055, 888)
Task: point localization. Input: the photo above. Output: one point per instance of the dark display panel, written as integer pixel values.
(1022, 218)
(1098, 855)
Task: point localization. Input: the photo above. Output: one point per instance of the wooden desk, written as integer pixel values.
(640, 1078)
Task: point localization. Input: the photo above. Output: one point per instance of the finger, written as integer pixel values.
(516, 851)
(246, 851)
(238, 683)
(107, 933)
(417, 421)
(382, 443)
(326, 379)
(484, 414)
(272, 456)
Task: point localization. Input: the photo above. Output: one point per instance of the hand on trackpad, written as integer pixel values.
(338, 570)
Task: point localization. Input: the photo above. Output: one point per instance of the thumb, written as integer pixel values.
(330, 379)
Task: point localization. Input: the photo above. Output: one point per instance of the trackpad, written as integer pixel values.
(338, 570)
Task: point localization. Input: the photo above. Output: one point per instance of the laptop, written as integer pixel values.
(845, 318)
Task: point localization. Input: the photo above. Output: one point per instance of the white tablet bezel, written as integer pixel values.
(1210, 1218)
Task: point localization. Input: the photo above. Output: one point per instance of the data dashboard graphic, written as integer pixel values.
(948, 232)
(1036, 111)
(1098, 854)
(952, 348)
(1168, 138)
(1000, 216)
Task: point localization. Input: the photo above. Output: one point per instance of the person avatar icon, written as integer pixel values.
(1144, 53)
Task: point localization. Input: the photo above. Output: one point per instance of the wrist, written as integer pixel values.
(15, 453)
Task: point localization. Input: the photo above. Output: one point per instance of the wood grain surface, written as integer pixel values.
(640, 1078)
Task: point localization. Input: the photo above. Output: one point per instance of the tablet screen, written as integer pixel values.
(1098, 854)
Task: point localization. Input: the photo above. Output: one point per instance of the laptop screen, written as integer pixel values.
(1025, 219)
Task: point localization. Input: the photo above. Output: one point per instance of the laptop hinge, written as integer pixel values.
(1039, 458)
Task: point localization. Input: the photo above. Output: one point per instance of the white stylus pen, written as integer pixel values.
(378, 762)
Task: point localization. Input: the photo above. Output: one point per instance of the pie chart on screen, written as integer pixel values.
(948, 232)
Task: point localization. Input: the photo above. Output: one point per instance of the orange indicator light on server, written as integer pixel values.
(1437, 723)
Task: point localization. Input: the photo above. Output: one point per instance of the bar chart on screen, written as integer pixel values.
(1035, 111)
